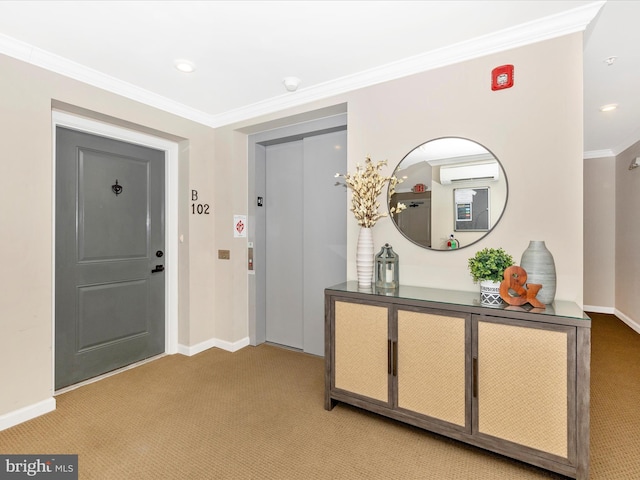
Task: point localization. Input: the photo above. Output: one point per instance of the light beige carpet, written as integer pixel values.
(258, 414)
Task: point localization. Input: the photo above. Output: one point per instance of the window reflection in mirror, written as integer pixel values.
(451, 186)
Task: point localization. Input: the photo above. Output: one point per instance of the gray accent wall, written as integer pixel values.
(627, 239)
(600, 233)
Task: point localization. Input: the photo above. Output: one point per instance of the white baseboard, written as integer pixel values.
(195, 349)
(596, 309)
(233, 346)
(614, 311)
(213, 342)
(16, 417)
(628, 320)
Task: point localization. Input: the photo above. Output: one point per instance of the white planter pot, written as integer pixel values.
(490, 293)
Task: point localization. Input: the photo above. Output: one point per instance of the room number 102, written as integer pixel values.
(198, 208)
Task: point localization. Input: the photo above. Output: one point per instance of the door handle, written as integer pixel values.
(159, 268)
(395, 359)
(475, 377)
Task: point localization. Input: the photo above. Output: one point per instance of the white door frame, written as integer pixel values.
(170, 148)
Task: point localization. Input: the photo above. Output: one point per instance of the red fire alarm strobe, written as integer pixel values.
(502, 77)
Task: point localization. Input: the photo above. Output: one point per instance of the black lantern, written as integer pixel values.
(387, 275)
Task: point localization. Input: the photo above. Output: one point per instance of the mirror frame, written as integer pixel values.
(493, 225)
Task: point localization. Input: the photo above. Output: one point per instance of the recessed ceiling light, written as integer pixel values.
(185, 66)
(608, 108)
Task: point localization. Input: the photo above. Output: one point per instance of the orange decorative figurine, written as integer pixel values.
(515, 279)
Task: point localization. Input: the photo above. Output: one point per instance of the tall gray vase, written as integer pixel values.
(538, 262)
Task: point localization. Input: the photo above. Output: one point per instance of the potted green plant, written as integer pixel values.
(487, 266)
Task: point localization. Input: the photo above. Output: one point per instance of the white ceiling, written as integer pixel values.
(243, 49)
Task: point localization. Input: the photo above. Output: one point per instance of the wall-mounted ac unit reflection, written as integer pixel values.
(462, 173)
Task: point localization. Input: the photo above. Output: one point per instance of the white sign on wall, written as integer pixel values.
(239, 226)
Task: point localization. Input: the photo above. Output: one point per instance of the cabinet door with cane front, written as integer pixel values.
(433, 366)
(361, 354)
(525, 385)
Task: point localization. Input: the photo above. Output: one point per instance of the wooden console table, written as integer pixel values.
(505, 379)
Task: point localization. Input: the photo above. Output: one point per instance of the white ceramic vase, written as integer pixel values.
(490, 293)
(364, 257)
(538, 262)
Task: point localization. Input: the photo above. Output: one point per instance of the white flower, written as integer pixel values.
(366, 185)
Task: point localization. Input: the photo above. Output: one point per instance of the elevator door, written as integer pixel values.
(305, 236)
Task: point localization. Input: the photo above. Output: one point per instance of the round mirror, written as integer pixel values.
(455, 191)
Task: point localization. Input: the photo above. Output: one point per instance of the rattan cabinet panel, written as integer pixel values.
(523, 385)
(361, 359)
(431, 376)
(510, 380)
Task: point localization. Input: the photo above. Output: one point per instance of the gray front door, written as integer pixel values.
(109, 305)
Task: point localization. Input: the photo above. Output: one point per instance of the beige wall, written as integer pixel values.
(599, 233)
(26, 96)
(535, 129)
(627, 239)
(611, 236)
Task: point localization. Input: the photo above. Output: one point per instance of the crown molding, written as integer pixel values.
(565, 23)
(57, 64)
(628, 142)
(558, 25)
(593, 154)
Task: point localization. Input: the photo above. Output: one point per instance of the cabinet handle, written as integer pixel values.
(475, 377)
(395, 359)
(389, 357)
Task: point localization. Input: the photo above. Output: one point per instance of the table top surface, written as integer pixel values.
(559, 308)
